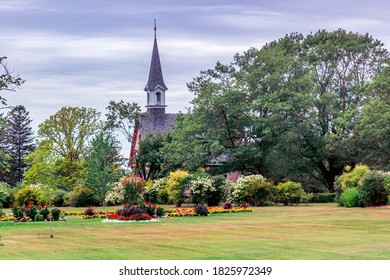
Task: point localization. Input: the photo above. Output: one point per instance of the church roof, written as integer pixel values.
(155, 73)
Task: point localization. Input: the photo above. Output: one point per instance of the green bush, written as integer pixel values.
(59, 198)
(81, 197)
(214, 197)
(289, 193)
(176, 186)
(199, 189)
(38, 218)
(37, 193)
(323, 197)
(5, 195)
(133, 189)
(254, 189)
(372, 189)
(351, 177)
(351, 198)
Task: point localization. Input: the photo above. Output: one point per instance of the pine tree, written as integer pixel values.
(20, 142)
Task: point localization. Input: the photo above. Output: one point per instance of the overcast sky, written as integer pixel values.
(88, 52)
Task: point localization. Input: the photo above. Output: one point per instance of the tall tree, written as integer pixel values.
(20, 141)
(288, 108)
(69, 130)
(102, 164)
(122, 116)
(149, 159)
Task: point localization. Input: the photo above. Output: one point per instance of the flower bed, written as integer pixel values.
(32, 213)
(186, 212)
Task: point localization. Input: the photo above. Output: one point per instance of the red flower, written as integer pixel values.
(30, 203)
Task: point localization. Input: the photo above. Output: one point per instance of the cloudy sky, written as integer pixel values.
(88, 52)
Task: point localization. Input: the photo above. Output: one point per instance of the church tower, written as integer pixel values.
(154, 120)
(155, 88)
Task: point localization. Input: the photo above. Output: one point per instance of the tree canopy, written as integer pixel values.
(289, 110)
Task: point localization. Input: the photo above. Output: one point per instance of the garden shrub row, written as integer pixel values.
(362, 187)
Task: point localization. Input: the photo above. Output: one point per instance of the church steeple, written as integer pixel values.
(155, 87)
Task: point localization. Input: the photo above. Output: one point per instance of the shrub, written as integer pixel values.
(116, 195)
(323, 197)
(81, 197)
(199, 188)
(55, 214)
(1, 212)
(133, 188)
(289, 192)
(254, 189)
(228, 205)
(269, 203)
(59, 198)
(201, 210)
(90, 211)
(351, 178)
(351, 198)
(215, 196)
(5, 195)
(38, 218)
(176, 186)
(37, 193)
(372, 189)
(156, 191)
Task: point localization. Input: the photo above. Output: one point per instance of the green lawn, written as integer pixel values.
(320, 231)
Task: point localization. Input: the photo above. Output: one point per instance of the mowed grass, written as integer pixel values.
(321, 231)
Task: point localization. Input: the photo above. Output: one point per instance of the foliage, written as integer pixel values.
(254, 189)
(352, 177)
(214, 197)
(69, 130)
(290, 111)
(90, 211)
(199, 189)
(323, 197)
(289, 192)
(8, 81)
(116, 194)
(81, 196)
(133, 188)
(122, 116)
(149, 159)
(37, 193)
(20, 142)
(23, 212)
(175, 186)
(351, 198)
(102, 165)
(201, 210)
(156, 191)
(59, 198)
(5, 195)
(49, 169)
(372, 189)
(38, 217)
(55, 214)
(228, 205)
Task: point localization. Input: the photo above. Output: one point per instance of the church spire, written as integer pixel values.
(156, 79)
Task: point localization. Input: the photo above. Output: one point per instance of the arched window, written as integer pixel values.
(158, 98)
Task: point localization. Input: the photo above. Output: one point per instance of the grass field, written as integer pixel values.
(319, 231)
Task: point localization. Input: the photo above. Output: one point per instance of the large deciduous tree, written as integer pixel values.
(288, 110)
(69, 131)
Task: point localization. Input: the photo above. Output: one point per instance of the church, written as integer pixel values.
(155, 119)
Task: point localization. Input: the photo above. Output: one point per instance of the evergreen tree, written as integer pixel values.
(19, 142)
